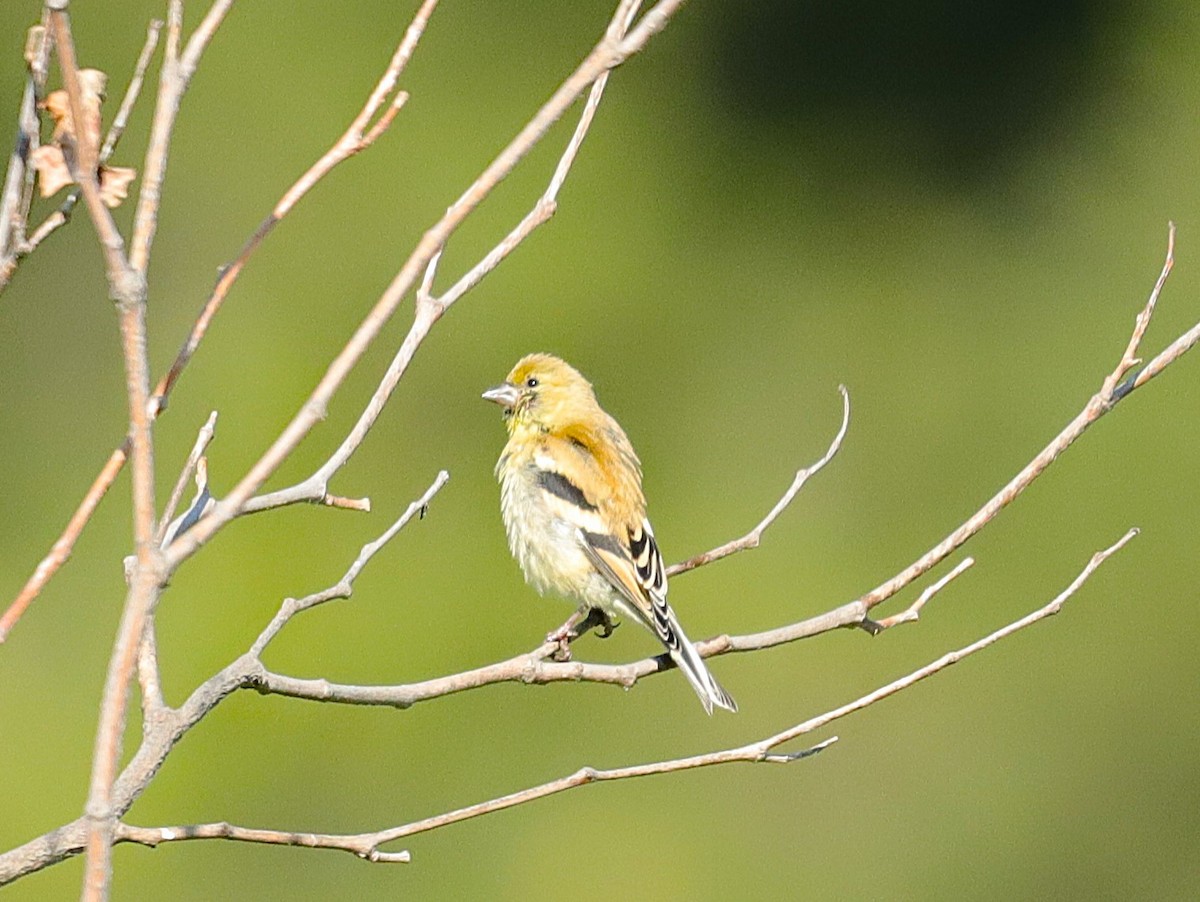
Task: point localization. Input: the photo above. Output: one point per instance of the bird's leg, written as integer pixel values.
(578, 624)
(606, 624)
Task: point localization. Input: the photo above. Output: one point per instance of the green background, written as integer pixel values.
(955, 211)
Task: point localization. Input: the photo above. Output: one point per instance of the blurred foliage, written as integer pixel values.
(955, 209)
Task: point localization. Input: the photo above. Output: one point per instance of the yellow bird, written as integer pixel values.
(571, 496)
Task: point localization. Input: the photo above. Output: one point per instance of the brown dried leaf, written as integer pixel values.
(51, 166)
(54, 174)
(114, 184)
(91, 83)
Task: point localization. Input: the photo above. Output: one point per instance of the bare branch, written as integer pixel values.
(912, 613)
(132, 92)
(207, 431)
(342, 588)
(354, 140)
(17, 195)
(430, 308)
(360, 845)
(754, 536)
(366, 845)
(60, 552)
(547, 204)
(48, 227)
(602, 58)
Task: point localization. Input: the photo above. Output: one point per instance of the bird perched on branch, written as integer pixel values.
(571, 496)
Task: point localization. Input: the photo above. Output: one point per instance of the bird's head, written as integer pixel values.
(543, 392)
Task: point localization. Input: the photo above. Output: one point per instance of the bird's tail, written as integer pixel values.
(684, 654)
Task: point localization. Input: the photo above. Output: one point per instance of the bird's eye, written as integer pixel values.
(531, 382)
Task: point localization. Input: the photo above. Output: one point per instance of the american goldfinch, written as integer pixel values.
(571, 496)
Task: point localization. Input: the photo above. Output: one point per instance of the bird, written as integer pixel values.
(575, 514)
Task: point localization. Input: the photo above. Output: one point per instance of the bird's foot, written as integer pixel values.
(564, 636)
(606, 626)
(575, 626)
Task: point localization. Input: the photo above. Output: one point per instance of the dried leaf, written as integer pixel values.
(53, 172)
(114, 184)
(91, 83)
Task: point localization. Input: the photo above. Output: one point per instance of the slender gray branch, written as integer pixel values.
(367, 845)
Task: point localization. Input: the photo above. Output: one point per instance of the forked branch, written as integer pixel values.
(367, 845)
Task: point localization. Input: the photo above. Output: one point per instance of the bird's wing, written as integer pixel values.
(636, 571)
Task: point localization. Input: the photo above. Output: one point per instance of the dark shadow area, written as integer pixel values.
(955, 87)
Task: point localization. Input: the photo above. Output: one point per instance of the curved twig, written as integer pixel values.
(754, 536)
(367, 845)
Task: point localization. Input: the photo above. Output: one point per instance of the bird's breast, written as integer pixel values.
(546, 543)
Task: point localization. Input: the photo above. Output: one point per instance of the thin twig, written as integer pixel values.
(61, 216)
(207, 431)
(912, 613)
(17, 194)
(343, 587)
(604, 56)
(132, 92)
(547, 205)
(359, 845)
(350, 143)
(355, 139)
(754, 536)
(366, 845)
(430, 308)
(60, 552)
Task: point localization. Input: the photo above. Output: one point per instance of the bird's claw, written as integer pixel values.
(577, 624)
(562, 637)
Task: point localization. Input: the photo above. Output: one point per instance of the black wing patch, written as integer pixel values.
(560, 486)
(603, 542)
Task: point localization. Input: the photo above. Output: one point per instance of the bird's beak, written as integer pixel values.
(505, 394)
